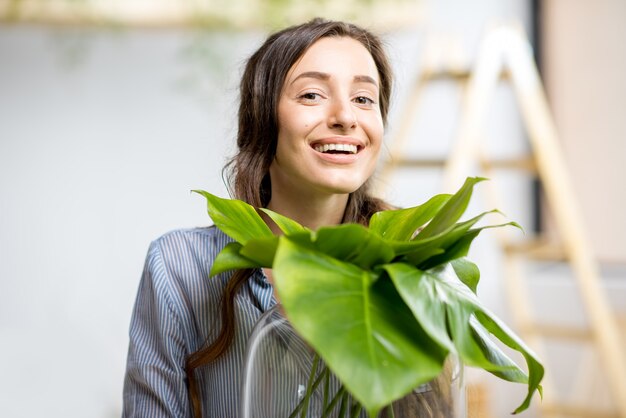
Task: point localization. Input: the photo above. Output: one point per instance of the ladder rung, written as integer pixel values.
(418, 162)
(559, 332)
(537, 249)
(445, 74)
(575, 411)
(455, 74)
(523, 163)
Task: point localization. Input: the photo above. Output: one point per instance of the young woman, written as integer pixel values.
(314, 102)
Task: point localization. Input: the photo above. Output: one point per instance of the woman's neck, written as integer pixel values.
(311, 212)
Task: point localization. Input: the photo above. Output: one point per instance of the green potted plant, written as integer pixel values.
(383, 306)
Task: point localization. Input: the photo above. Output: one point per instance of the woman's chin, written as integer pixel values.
(341, 187)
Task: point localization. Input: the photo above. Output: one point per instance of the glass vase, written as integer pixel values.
(285, 378)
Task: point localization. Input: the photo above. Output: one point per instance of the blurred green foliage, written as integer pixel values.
(214, 14)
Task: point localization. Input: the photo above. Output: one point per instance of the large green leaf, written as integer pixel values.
(421, 290)
(451, 211)
(438, 249)
(353, 243)
(461, 247)
(402, 224)
(467, 272)
(442, 240)
(535, 369)
(424, 300)
(510, 371)
(235, 218)
(358, 324)
(231, 259)
(440, 308)
(261, 250)
(287, 225)
(452, 251)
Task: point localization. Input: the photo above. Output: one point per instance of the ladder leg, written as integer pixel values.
(559, 192)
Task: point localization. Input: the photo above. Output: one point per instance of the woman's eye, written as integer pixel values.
(310, 96)
(363, 100)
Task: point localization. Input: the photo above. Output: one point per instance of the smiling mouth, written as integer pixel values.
(336, 148)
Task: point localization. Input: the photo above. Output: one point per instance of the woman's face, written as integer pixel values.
(330, 127)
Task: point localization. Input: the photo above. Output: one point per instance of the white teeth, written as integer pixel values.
(337, 147)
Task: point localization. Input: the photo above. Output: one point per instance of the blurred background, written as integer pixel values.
(112, 111)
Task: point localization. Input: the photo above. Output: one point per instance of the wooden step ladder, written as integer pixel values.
(505, 54)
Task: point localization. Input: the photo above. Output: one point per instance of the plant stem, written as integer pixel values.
(317, 382)
(390, 410)
(344, 405)
(310, 387)
(298, 407)
(333, 402)
(356, 409)
(326, 385)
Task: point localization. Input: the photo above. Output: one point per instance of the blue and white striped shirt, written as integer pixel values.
(176, 311)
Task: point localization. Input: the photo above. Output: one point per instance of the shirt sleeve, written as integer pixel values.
(155, 381)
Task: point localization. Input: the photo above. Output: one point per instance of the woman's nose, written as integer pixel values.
(342, 115)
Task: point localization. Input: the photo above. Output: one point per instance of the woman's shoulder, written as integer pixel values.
(187, 252)
(207, 232)
(189, 241)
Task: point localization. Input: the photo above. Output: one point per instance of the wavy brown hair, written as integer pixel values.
(248, 170)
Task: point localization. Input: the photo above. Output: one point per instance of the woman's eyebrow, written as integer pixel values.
(312, 74)
(365, 79)
(325, 76)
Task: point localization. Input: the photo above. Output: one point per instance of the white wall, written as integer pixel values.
(102, 137)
